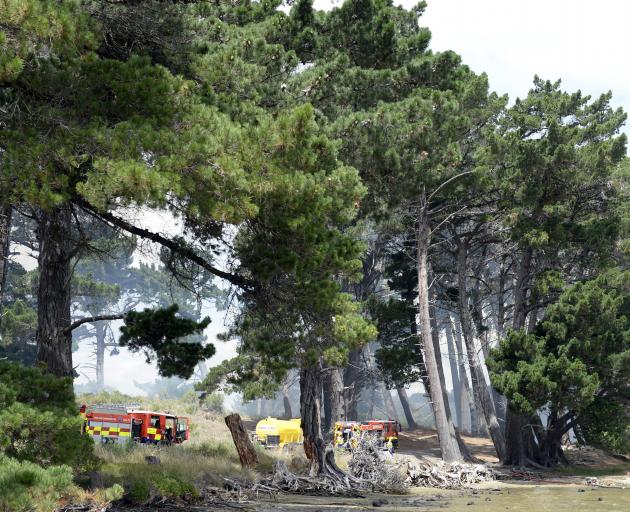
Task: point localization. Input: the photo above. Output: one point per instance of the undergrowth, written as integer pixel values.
(183, 471)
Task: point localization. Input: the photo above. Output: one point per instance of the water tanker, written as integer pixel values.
(272, 432)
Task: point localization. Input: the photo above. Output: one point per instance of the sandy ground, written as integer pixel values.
(423, 444)
(542, 492)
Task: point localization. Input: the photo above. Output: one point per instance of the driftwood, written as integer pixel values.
(284, 480)
(371, 470)
(448, 476)
(372, 464)
(246, 451)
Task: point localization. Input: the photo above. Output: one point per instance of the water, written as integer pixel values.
(514, 498)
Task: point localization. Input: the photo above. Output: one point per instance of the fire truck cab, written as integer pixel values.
(386, 430)
(119, 423)
(347, 433)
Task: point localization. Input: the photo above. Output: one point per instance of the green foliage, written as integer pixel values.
(160, 333)
(606, 424)
(398, 357)
(532, 376)
(43, 437)
(577, 359)
(213, 402)
(25, 486)
(32, 28)
(554, 153)
(39, 421)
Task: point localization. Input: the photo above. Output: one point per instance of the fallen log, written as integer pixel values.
(246, 451)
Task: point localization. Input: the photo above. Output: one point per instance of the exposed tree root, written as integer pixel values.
(369, 472)
(448, 476)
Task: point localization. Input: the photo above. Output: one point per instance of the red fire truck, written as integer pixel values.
(385, 430)
(120, 423)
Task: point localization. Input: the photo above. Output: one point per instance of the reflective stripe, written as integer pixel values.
(152, 431)
(125, 434)
(158, 437)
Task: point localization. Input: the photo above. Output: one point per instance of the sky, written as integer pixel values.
(583, 43)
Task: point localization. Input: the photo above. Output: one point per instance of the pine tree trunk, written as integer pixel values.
(351, 385)
(404, 401)
(413, 322)
(54, 339)
(518, 437)
(372, 400)
(501, 301)
(446, 432)
(388, 403)
(336, 389)
(467, 404)
(520, 291)
(481, 391)
(246, 451)
(321, 459)
(288, 413)
(333, 399)
(455, 378)
(327, 402)
(5, 242)
(435, 335)
(100, 356)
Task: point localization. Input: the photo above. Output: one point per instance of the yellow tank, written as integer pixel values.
(272, 432)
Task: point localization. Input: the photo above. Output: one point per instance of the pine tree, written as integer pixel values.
(554, 153)
(577, 357)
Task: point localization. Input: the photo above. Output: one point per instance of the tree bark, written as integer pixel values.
(336, 389)
(388, 402)
(467, 401)
(455, 378)
(501, 300)
(446, 432)
(372, 400)
(246, 452)
(100, 356)
(481, 391)
(288, 413)
(351, 384)
(321, 459)
(520, 290)
(404, 402)
(5, 242)
(333, 399)
(435, 336)
(54, 337)
(518, 437)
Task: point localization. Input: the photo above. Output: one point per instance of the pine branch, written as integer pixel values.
(92, 319)
(173, 245)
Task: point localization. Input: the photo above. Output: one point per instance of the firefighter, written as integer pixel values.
(390, 446)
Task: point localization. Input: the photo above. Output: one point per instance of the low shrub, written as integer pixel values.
(39, 421)
(27, 486)
(214, 402)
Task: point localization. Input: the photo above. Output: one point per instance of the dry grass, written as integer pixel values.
(207, 459)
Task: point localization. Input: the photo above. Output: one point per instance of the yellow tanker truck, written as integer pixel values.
(274, 433)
